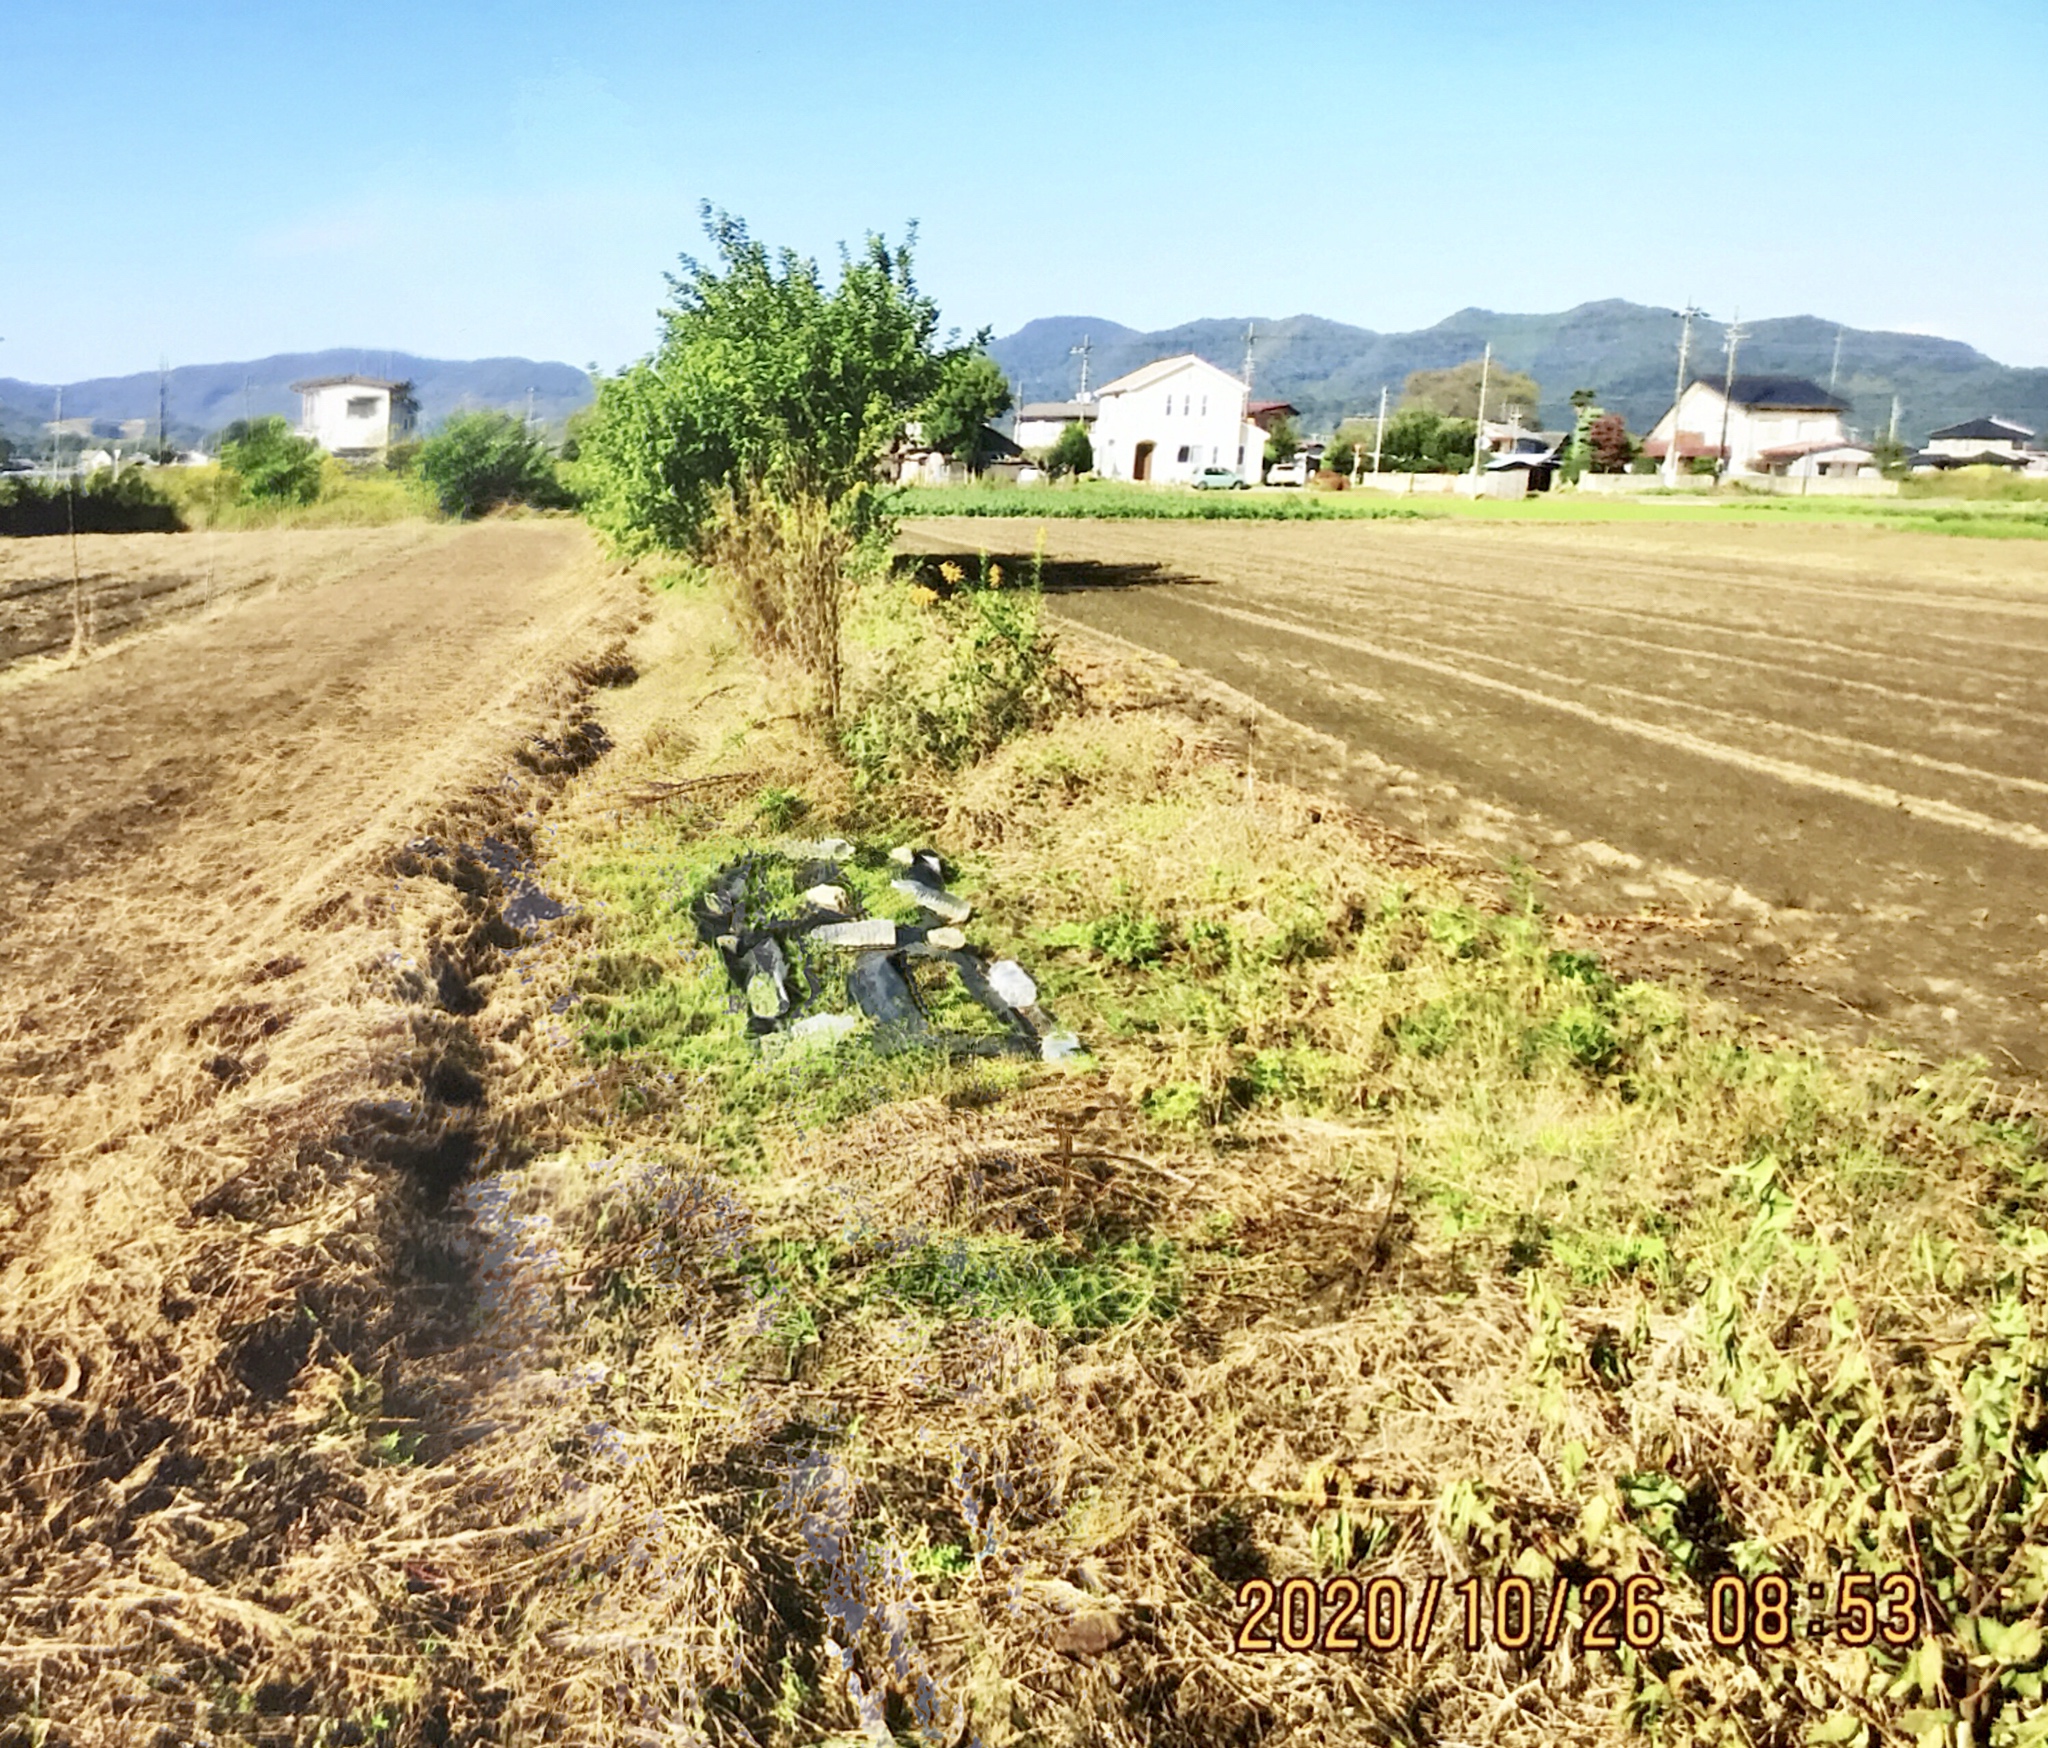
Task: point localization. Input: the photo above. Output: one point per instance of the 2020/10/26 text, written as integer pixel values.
(1514, 1613)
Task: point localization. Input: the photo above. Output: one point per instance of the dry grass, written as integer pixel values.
(781, 566)
(977, 1396)
(1375, 1238)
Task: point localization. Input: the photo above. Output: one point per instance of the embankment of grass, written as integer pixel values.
(1377, 1237)
(1985, 512)
(350, 497)
(1113, 500)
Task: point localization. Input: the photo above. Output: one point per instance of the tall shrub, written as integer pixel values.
(478, 461)
(756, 428)
(765, 381)
(273, 464)
(1072, 450)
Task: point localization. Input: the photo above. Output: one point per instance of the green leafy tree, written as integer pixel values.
(273, 465)
(766, 381)
(972, 391)
(1454, 393)
(477, 461)
(1578, 454)
(1073, 451)
(1340, 456)
(1421, 441)
(1283, 440)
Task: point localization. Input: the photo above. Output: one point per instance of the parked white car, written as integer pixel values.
(1288, 473)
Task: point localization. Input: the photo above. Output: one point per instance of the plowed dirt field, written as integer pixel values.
(212, 799)
(1811, 762)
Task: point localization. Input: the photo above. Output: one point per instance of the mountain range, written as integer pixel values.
(204, 397)
(1627, 353)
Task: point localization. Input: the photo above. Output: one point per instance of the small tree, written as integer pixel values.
(1421, 441)
(1073, 451)
(1283, 440)
(972, 391)
(1893, 458)
(765, 380)
(273, 465)
(1608, 444)
(756, 430)
(1340, 456)
(477, 461)
(405, 408)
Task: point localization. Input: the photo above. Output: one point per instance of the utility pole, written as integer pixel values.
(57, 429)
(1835, 369)
(1250, 338)
(1685, 316)
(1379, 430)
(1081, 352)
(1479, 435)
(529, 407)
(1737, 333)
(163, 401)
(1894, 434)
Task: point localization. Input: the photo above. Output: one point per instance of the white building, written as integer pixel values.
(355, 417)
(1167, 421)
(1765, 425)
(1039, 423)
(1978, 443)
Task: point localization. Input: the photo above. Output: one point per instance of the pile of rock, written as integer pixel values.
(788, 963)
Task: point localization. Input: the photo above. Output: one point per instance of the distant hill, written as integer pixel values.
(1626, 352)
(204, 397)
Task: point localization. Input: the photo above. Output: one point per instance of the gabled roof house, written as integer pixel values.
(1984, 442)
(1166, 421)
(1760, 424)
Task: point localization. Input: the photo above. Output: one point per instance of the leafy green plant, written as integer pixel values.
(972, 391)
(273, 464)
(957, 677)
(765, 381)
(1072, 450)
(478, 461)
(1129, 938)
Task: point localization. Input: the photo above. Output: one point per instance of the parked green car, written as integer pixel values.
(1218, 479)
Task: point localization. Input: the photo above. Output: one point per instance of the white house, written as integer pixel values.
(1763, 425)
(1040, 423)
(355, 417)
(1976, 443)
(1167, 421)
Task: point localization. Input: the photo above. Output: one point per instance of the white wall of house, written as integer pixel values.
(347, 418)
(1750, 429)
(1845, 461)
(1037, 433)
(1190, 412)
(2013, 445)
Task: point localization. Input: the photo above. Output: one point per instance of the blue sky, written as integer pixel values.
(210, 181)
